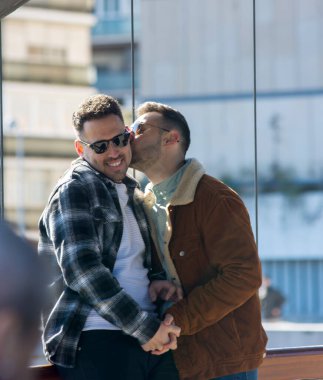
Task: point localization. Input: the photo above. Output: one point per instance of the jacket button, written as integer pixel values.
(182, 253)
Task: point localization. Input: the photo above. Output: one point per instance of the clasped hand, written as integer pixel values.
(166, 336)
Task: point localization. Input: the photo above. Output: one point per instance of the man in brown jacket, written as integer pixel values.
(205, 243)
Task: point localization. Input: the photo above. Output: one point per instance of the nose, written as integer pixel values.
(113, 150)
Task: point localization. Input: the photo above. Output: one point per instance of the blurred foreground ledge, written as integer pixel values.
(301, 363)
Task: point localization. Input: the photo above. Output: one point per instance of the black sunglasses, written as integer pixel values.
(102, 146)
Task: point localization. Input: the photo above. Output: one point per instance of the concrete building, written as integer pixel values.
(47, 70)
(111, 45)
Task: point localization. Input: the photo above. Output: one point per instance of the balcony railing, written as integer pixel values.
(75, 5)
(34, 72)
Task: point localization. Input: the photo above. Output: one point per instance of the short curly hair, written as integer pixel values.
(95, 107)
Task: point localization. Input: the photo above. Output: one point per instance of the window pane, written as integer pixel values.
(290, 115)
(202, 64)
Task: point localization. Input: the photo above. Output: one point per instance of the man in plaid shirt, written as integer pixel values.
(100, 322)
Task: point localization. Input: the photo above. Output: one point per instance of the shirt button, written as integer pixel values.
(182, 253)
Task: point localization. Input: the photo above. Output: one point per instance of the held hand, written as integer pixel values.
(165, 290)
(172, 344)
(166, 336)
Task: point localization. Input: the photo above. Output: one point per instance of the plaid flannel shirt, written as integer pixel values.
(80, 233)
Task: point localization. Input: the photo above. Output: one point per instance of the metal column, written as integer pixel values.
(1, 136)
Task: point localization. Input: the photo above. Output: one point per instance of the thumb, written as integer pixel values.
(168, 320)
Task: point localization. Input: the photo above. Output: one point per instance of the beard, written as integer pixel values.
(144, 157)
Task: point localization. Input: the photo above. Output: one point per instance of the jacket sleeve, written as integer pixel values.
(234, 272)
(70, 226)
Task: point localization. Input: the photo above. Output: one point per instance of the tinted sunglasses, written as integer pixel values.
(138, 127)
(102, 146)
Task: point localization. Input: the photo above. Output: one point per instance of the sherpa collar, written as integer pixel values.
(185, 191)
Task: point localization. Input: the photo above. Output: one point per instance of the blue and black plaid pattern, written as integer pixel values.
(80, 233)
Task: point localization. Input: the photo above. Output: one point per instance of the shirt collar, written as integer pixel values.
(164, 190)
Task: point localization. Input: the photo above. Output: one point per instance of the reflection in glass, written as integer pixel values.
(290, 114)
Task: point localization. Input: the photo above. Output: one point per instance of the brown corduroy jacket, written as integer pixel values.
(210, 251)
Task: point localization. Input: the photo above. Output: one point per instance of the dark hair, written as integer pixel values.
(172, 118)
(95, 107)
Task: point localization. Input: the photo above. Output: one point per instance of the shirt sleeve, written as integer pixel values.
(72, 230)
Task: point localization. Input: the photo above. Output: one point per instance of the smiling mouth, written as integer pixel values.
(114, 164)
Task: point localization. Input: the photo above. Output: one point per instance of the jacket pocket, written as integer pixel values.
(190, 261)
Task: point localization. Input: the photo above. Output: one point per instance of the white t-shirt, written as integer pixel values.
(129, 267)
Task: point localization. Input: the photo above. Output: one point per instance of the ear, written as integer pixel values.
(79, 148)
(172, 137)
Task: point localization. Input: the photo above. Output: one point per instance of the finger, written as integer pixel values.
(159, 352)
(162, 348)
(175, 330)
(171, 290)
(179, 293)
(152, 294)
(172, 345)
